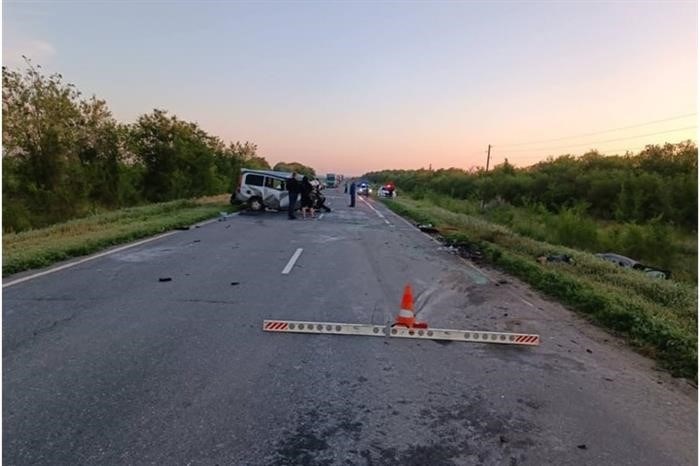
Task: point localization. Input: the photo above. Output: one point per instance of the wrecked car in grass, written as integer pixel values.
(628, 263)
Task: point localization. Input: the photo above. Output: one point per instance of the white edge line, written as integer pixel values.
(527, 302)
(466, 262)
(381, 215)
(436, 241)
(292, 261)
(469, 264)
(105, 253)
(81, 261)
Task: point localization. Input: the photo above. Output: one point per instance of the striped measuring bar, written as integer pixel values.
(334, 328)
(475, 336)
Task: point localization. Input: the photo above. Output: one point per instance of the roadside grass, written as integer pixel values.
(655, 244)
(658, 317)
(43, 247)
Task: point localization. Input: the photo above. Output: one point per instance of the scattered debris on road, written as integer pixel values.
(467, 250)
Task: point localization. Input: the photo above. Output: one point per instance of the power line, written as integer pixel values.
(601, 142)
(597, 132)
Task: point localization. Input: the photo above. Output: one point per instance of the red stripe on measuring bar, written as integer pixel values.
(276, 326)
(527, 339)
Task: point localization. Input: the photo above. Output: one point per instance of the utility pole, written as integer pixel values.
(488, 159)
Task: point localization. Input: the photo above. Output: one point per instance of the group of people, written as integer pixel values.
(304, 188)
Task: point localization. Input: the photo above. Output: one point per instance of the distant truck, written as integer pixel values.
(331, 180)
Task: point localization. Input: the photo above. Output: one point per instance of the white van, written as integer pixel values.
(263, 189)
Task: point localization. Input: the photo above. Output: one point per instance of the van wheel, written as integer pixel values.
(255, 204)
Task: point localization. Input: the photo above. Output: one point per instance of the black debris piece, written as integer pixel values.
(197, 241)
(235, 283)
(588, 351)
(467, 250)
(427, 228)
(165, 279)
(582, 446)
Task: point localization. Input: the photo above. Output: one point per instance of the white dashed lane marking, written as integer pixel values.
(292, 261)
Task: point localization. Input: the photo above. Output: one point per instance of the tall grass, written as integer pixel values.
(654, 244)
(42, 247)
(657, 316)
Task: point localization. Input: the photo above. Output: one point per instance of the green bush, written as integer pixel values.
(572, 228)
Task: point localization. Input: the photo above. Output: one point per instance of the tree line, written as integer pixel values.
(65, 156)
(658, 184)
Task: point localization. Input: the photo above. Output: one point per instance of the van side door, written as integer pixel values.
(276, 195)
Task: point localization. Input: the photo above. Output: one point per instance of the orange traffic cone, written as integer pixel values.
(406, 318)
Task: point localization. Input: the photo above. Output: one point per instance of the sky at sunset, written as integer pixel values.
(351, 87)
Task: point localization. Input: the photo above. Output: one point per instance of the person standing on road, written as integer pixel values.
(293, 189)
(352, 194)
(306, 203)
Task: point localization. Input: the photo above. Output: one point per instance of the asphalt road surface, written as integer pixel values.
(104, 363)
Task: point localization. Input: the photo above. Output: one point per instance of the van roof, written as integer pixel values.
(267, 172)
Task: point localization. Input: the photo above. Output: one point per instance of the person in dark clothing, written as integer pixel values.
(293, 188)
(352, 194)
(307, 205)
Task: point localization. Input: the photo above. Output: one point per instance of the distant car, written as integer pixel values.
(363, 189)
(388, 190)
(628, 263)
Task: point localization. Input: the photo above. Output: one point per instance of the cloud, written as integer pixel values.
(39, 51)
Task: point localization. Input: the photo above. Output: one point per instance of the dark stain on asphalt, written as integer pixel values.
(476, 298)
(308, 444)
(466, 430)
(443, 342)
(418, 455)
(530, 403)
(301, 448)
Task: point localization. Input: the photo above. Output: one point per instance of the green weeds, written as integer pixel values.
(43, 247)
